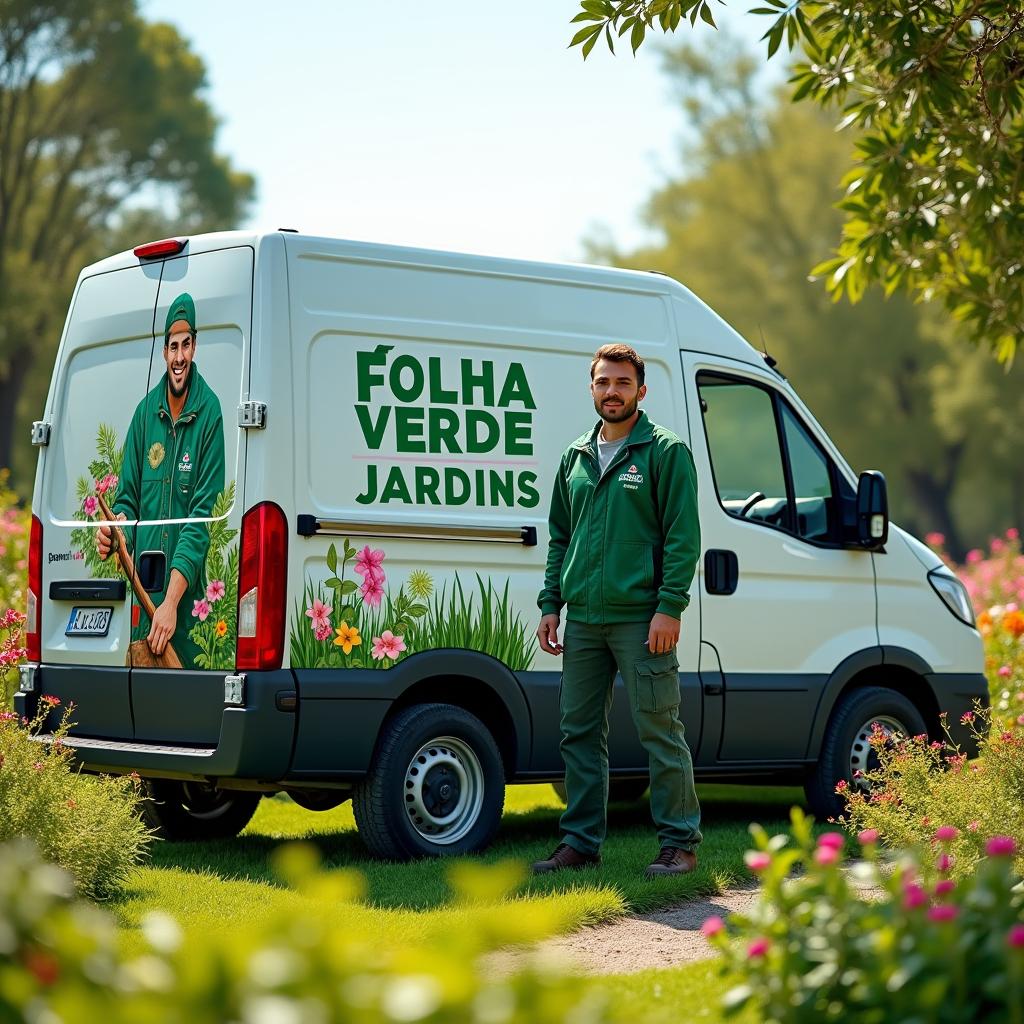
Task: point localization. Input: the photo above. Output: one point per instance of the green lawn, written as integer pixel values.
(225, 886)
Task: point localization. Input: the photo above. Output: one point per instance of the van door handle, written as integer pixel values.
(721, 571)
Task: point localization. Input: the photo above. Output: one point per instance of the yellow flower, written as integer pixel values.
(222, 628)
(347, 638)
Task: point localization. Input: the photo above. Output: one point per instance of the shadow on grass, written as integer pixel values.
(523, 836)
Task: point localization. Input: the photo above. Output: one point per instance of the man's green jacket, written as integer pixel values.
(174, 471)
(623, 545)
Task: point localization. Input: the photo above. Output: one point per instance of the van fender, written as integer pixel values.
(846, 671)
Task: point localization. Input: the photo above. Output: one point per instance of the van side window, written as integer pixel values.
(767, 466)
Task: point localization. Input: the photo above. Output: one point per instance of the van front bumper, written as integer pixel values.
(956, 694)
(255, 741)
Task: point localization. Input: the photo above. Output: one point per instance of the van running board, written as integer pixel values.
(136, 748)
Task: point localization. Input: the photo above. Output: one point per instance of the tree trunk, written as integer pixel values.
(10, 390)
(932, 497)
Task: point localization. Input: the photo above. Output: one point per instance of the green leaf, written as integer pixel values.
(775, 37)
(347, 613)
(587, 33)
(417, 611)
(332, 559)
(636, 37)
(705, 14)
(346, 587)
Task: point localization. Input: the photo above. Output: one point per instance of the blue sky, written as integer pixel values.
(462, 125)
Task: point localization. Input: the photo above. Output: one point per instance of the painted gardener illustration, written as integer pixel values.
(624, 546)
(173, 471)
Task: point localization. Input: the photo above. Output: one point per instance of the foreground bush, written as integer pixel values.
(89, 826)
(61, 962)
(813, 950)
(14, 536)
(920, 785)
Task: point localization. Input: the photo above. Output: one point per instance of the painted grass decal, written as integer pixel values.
(360, 622)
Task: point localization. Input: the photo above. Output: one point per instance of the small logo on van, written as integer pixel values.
(156, 455)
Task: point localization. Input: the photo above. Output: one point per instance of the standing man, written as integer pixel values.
(173, 470)
(624, 546)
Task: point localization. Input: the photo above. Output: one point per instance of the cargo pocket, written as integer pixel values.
(657, 684)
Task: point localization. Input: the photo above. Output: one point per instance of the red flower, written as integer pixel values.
(50, 699)
(42, 965)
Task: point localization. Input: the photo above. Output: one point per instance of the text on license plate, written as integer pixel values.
(89, 621)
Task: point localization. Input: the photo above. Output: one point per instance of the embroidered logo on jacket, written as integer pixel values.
(631, 478)
(185, 466)
(156, 454)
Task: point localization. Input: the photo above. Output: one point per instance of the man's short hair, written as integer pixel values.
(619, 353)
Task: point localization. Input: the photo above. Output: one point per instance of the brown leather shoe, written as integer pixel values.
(672, 861)
(563, 858)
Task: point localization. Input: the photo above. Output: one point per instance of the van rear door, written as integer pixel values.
(102, 373)
(191, 472)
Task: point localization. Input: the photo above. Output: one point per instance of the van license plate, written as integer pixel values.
(89, 622)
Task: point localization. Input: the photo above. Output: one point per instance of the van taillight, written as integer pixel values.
(165, 247)
(33, 625)
(262, 579)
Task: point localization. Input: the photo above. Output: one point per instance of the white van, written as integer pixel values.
(374, 523)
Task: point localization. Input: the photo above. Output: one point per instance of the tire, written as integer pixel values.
(845, 748)
(623, 791)
(435, 788)
(190, 811)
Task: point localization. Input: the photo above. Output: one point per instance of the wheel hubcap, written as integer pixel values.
(863, 757)
(444, 790)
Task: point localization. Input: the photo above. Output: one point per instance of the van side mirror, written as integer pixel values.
(872, 510)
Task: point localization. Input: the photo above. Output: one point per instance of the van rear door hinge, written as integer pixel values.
(40, 433)
(252, 414)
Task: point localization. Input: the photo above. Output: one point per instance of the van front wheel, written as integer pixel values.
(185, 811)
(436, 785)
(846, 752)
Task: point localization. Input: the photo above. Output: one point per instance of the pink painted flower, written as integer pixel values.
(758, 948)
(832, 840)
(946, 833)
(826, 855)
(1001, 846)
(200, 610)
(1015, 936)
(214, 591)
(1005, 671)
(712, 927)
(106, 484)
(944, 886)
(370, 564)
(322, 632)
(942, 912)
(320, 614)
(757, 860)
(913, 896)
(89, 506)
(372, 590)
(868, 837)
(387, 645)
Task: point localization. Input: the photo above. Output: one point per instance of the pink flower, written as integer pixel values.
(998, 545)
(913, 896)
(757, 860)
(711, 927)
(372, 591)
(320, 614)
(842, 786)
(369, 564)
(944, 886)
(946, 833)
(868, 837)
(1005, 671)
(1001, 846)
(106, 484)
(758, 948)
(1012, 533)
(8, 716)
(322, 632)
(935, 540)
(89, 506)
(1020, 719)
(214, 591)
(974, 826)
(967, 717)
(944, 863)
(973, 557)
(832, 840)
(11, 618)
(826, 855)
(387, 645)
(1015, 936)
(50, 699)
(200, 610)
(942, 912)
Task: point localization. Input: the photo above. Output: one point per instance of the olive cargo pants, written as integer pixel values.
(591, 656)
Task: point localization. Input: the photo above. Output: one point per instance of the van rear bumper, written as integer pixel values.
(255, 742)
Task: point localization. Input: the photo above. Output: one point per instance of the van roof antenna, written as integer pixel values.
(770, 361)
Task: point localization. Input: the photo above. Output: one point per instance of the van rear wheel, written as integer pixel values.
(436, 785)
(189, 811)
(846, 752)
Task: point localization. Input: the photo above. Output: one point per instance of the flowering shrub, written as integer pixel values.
(60, 961)
(920, 784)
(89, 826)
(814, 950)
(14, 537)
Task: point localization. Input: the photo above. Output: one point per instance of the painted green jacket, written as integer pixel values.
(624, 545)
(174, 471)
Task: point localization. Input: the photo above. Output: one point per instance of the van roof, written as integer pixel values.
(702, 329)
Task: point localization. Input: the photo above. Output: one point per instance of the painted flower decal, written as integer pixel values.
(320, 614)
(109, 482)
(155, 455)
(214, 591)
(200, 610)
(420, 584)
(387, 645)
(89, 506)
(372, 590)
(347, 638)
(369, 564)
(222, 628)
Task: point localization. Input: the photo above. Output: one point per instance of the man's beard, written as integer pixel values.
(618, 413)
(178, 392)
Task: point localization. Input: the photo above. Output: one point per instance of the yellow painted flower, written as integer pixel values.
(222, 628)
(347, 638)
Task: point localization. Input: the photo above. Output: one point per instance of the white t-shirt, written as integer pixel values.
(607, 450)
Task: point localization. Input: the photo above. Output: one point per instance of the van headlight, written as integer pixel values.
(953, 593)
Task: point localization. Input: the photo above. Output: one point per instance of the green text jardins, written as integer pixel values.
(446, 408)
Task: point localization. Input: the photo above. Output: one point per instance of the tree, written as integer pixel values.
(892, 381)
(103, 131)
(934, 188)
